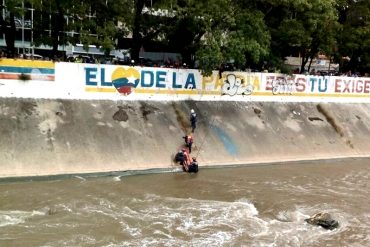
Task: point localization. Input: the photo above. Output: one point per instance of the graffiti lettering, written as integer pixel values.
(283, 85)
(235, 86)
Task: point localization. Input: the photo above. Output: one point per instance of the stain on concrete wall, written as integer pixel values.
(181, 117)
(120, 115)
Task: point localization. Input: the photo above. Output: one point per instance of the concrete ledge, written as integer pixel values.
(170, 170)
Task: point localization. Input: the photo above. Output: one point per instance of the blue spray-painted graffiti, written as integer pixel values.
(226, 140)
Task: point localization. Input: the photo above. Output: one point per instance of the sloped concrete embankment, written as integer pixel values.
(47, 137)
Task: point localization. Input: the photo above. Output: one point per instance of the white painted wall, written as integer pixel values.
(94, 81)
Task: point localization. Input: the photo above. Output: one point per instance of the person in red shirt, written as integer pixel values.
(189, 141)
(187, 159)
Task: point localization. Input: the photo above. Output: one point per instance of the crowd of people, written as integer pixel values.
(335, 73)
(91, 59)
(168, 63)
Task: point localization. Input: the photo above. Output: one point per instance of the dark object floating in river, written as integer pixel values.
(324, 220)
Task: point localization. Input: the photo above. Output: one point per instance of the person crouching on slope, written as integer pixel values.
(192, 167)
(180, 156)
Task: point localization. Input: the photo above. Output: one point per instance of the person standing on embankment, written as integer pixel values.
(193, 120)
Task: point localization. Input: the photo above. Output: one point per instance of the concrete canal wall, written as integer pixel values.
(82, 118)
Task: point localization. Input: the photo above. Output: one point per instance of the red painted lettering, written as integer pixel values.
(346, 86)
(367, 87)
(359, 86)
(301, 84)
(338, 85)
(269, 80)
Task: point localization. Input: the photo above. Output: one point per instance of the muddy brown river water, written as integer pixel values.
(261, 205)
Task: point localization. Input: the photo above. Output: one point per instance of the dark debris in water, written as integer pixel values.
(324, 220)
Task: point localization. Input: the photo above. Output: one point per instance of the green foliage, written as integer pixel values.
(92, 22)
(255, 34)
(222, 32)
(209, 54)
(353, 41)
(305, 27)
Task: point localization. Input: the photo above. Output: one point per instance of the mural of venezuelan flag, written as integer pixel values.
(11, 69)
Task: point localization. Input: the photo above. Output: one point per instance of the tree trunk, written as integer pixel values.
(309, 65)
(304, 62)
(314, 49)
(58, 27)
(10, 36)
(137, 39)
(8, 28)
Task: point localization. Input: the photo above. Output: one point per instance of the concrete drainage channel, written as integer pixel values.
(46, 137)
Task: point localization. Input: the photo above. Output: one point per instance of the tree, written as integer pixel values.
(96, 22)
(49, 24)
(307, 27)
(353, 53)
(219, 31)
(149, 22)
(11, 9)
(109, 22)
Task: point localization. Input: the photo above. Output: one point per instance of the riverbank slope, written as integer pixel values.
(48, 137)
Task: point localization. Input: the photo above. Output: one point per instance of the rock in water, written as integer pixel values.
(324, 220)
